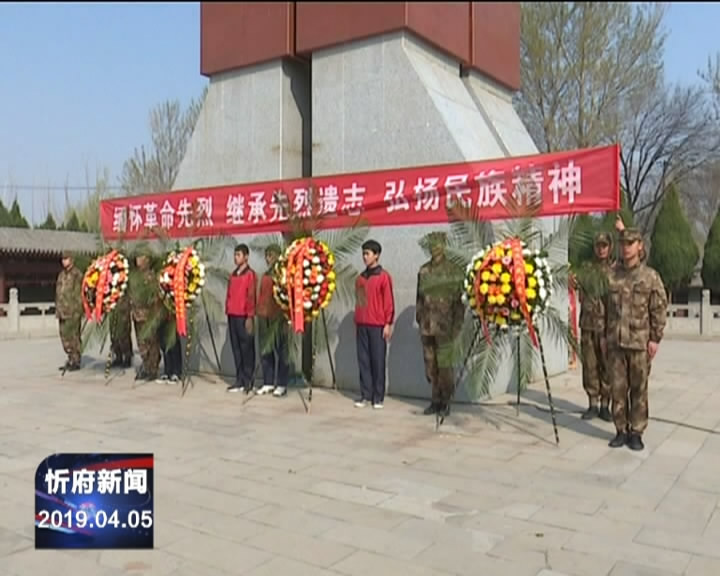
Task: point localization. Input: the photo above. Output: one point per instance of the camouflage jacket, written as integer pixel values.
(637, 307)
(144, 293)
(594, 301)
(68, 294)
(439, 307)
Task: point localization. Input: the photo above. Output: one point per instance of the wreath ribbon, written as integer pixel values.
(296, 288)
(179, 286)
(519, 280)
(102, 284)
(480, 297)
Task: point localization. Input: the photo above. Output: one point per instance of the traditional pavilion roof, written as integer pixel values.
(27, 241)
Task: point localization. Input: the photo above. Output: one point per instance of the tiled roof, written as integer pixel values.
(29, 241)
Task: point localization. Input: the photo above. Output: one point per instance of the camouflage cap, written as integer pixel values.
(630, 235)
(142, 249)
(435, 238)
(602, 238)
(273, 249)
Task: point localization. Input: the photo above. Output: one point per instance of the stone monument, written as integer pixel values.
(300, 89)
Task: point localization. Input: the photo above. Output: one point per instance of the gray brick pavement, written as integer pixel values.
(263, 489)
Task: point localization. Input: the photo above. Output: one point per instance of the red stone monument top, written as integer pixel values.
(481, 36)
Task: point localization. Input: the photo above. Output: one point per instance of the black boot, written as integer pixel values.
(590, 413)
(635, 442)
(444, 410)
(618, 441)
(605, 414)
(432, 409)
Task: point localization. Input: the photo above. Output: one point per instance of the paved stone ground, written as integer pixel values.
(263, 489)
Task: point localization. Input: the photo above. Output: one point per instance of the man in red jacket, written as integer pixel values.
(240, 310)
(272, 327)
(374, 317)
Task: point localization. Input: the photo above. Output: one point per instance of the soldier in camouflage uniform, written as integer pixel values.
(121, 333)
(69, 310)
(593, 348)
(635, 321)
(146, 310)
(439, 313)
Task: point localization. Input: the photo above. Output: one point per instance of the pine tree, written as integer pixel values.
(72, 224)
(4, 215)
(711, 258)
(49, 223)
(674, 252)
(17, 220)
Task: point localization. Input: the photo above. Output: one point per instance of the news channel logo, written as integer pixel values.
(94, 501)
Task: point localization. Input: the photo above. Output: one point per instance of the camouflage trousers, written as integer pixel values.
(149, 349)
(121, 337)
(70, 337)
(594, 368)
(438, 369)
(629, 371)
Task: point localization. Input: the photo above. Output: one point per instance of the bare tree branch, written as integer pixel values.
(668, 134)
(171, 128)
(580, 61)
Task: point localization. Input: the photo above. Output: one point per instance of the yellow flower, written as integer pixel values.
(500, 299)
(485, 276)
(505, 278)
(472, 302)
(491, 300)
(499, 251)
(500, 320)
(515, 316)
(530, 293)
(505, 289)
(331, 275)
(331, 259)
(483, 288)
(331, 287)
(531, 281)
(529, 268)
(497, 267)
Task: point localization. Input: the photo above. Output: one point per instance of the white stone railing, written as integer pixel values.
(38, 318)
(698, 318)
(34, 318)
(694, 319)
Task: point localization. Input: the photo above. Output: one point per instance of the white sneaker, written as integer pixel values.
(265, 390)
(378, 406)
(162, 380)
(361, 403)
(279, 391)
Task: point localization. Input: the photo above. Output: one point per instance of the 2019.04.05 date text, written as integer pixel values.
(78, 518)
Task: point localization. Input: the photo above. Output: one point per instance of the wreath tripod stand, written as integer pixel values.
(440, 417)
(308, 375)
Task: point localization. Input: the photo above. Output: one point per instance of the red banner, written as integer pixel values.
(581, 181)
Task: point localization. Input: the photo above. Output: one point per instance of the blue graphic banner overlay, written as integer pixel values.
(100, 501)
